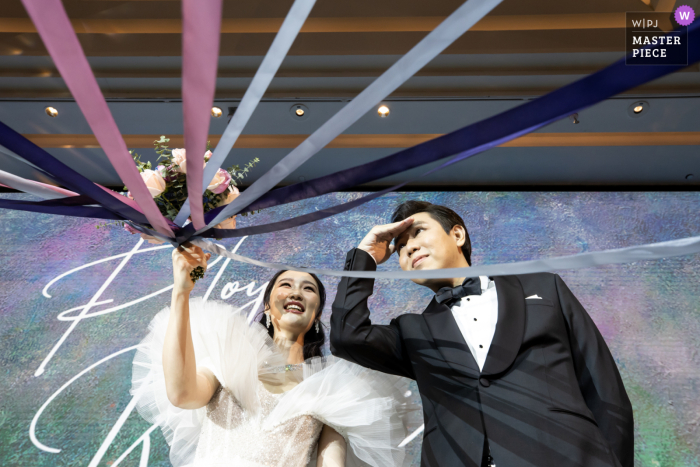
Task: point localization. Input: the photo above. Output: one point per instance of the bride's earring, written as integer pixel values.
(317, 328)
(268, 320)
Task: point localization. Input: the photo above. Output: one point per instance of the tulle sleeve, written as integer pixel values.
(223, 342)
(371, 410)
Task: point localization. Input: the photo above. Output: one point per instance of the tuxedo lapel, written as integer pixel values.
(510, 327)
(449, 339)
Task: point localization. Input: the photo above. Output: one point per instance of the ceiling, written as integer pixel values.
(521, 50)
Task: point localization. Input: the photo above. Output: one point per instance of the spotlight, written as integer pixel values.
(299, 112)
(383, 111)
(51, 112)
(638, 109)
(216, 112)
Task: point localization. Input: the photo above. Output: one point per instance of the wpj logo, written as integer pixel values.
(653, 38)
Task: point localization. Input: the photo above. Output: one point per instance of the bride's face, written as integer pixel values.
(294, 301)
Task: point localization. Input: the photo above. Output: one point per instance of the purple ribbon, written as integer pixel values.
(487, 133)
(67, 176)
(465, 142)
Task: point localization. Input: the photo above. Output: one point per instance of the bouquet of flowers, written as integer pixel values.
(167, 183)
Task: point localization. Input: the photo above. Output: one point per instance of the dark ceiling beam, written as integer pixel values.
(334, 25)
(419, 87)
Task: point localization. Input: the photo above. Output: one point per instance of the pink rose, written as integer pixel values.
(229, 223)
(180, 158)
(207, 156)
(220, 182)
(148, 238)
(130, 229)
(154, 182)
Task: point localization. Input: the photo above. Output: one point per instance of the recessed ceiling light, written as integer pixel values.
(299, 112)
(638, 109)
(216, 112)
(383, 111)
(51, 112)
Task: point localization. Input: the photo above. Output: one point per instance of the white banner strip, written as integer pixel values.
(459, 22)
(651, 251)
(268, 68)
(42, 190)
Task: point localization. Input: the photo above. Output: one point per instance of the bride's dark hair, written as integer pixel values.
(313, 341)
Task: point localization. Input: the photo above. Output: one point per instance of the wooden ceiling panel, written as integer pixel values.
(153, 9)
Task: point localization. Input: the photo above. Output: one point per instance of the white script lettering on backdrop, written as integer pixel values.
(91, 310)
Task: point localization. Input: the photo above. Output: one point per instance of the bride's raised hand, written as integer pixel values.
(185, 259)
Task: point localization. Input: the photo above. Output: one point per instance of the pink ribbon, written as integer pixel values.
(201, 27)
(56, 31)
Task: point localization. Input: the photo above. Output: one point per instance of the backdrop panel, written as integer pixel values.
(647, 311)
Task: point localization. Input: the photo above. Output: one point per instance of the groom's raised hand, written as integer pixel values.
(378, 241)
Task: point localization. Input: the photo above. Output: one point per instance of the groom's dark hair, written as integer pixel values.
(446, 217)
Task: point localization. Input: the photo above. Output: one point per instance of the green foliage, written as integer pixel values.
(173, 197)
(140, 165)
(110, 225)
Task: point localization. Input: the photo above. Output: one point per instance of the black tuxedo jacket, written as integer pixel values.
(549, 395)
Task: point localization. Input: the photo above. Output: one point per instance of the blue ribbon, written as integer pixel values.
(465, 142)
(65, 175)
(563, 102)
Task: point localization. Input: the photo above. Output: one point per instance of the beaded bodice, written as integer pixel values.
(232, 437)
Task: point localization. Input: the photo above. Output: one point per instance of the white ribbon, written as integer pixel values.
(650, 251)
(42, 190)
(460, 21)
(268, 68)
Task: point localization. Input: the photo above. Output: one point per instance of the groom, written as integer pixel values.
(511, 370)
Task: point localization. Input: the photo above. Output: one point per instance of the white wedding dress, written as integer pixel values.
(245, 425)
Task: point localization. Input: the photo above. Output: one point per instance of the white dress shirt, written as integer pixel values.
(476, 316)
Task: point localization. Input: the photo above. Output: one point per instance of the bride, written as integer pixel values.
(229, 393)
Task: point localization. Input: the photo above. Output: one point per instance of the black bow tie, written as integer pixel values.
(449, 295)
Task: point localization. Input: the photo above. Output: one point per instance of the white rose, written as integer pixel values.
(180, 158)
(233, 193)
(154, 182)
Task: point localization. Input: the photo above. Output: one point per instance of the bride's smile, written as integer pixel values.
(294, 302)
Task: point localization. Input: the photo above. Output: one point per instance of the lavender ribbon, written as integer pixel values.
(428, 48)
(647, 252)
(268, 68)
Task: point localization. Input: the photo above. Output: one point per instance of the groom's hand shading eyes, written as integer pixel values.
(378, 241)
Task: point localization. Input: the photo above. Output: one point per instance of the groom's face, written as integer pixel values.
(426, 245)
